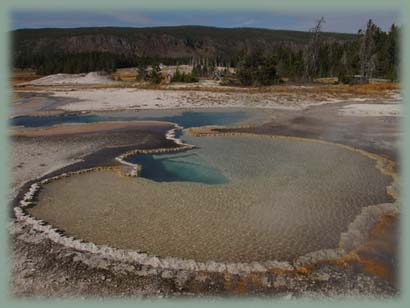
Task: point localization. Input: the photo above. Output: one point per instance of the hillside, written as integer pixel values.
(163, 42)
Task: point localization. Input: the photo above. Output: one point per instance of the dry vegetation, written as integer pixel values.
(364, 89)
(376, 87)
(127, 78)
(125, 74)
(19, 76)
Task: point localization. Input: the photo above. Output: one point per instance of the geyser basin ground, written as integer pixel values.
(284, 198)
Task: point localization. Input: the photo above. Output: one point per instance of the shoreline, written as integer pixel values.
(169, 135)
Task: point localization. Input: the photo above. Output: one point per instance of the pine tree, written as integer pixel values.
(142, 71)
(368, 51)
(155, 74)
(392, 53)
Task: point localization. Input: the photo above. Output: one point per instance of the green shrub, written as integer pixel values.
(184, 77)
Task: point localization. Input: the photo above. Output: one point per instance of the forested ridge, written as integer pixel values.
(259, 55)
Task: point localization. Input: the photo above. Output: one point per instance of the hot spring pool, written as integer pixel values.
(185, 119)
(279, 199)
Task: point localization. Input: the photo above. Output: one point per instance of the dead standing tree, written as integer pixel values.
(368, 51)
(311, 52)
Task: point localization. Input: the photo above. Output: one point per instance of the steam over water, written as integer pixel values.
(282, 199)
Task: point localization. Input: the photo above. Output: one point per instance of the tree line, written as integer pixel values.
(373, 53)
(84, 62)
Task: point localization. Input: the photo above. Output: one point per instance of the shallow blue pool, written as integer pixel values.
(186, 119)
(178, 167)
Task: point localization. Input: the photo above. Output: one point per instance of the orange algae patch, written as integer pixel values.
(255, 280)
(373, 257)
(240, 285)
(376, 268)
(367, 265)
(380, 229)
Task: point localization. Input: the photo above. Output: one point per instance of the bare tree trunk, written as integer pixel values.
(367, 51)
(311, 54)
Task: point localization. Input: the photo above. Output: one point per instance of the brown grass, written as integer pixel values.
(20, 76)
(124, 76)
(376, 87)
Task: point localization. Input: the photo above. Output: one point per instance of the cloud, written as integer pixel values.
(249, 22)
(135, 18)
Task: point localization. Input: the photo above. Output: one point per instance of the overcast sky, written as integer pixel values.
(348, 22)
